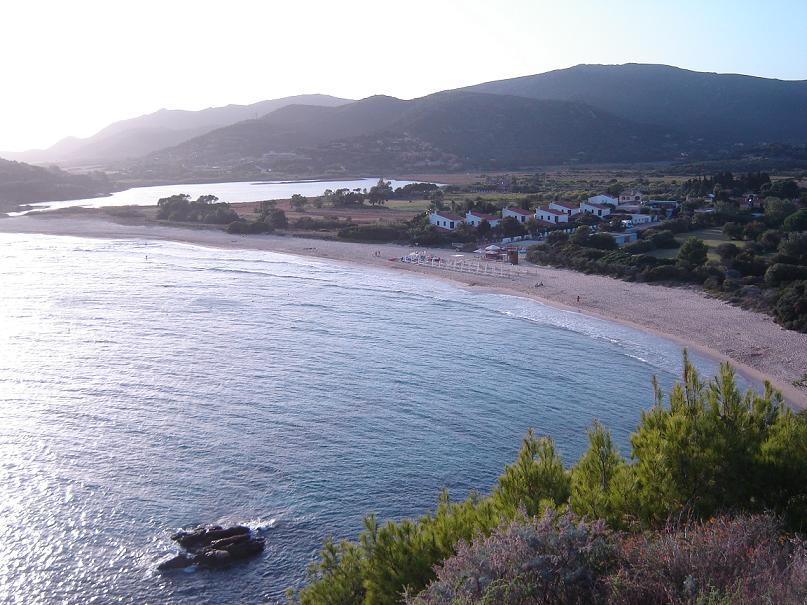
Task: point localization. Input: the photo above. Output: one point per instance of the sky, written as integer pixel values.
(71, 68)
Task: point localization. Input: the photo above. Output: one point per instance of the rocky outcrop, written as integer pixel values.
(213, 546)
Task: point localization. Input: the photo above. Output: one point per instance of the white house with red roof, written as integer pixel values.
(521, 215)
(550, 215)
(445, 220)
(476, 218)
(570, 208)
(600, 210)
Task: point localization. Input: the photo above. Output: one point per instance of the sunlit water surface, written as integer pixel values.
(242, 191)
(148, 386)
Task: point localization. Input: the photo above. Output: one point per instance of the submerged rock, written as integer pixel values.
(178, 562)
(213, 546)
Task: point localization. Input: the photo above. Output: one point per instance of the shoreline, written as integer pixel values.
(752, 342)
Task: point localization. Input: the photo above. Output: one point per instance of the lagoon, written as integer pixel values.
(244, 191)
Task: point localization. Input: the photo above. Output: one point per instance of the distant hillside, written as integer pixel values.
(164, 128)
(727, 108)
(449, 131)
(21, 183)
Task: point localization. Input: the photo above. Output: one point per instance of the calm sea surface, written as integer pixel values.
(248, 191)
(148, 386)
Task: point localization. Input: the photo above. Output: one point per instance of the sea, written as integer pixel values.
(149, 386)
(242, 191)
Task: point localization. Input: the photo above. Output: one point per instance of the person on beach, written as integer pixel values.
(578, 298)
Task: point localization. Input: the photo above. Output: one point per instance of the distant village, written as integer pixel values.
(632, 207)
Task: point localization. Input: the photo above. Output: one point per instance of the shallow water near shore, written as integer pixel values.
(240, 191)
(146, 386)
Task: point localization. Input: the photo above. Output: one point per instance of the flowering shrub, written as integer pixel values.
(547, 559)
(723, 560)
(555, 559)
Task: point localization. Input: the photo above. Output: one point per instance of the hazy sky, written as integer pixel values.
(71, 67)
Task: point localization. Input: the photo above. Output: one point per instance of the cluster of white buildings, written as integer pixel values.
(560, 214)
(553, 214)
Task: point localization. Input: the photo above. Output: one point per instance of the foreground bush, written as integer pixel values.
(563, 560)
(539, 561)
(741, 560)
(708, 450)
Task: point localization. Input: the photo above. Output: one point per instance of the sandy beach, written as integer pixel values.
(751, 341)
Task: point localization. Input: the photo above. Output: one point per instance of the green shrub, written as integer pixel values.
(709, 449)
(374, 233)
(693, 253)
(640, 246)
(790, 309)
(663, 273)
(733, 230)
(780, 273)
(601, 241)
(662, 239)
(556, 238)
(796, 221)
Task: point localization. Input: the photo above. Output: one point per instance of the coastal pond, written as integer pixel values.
(242, 191)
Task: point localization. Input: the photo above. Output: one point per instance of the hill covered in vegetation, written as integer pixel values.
(445, 131)
(145, 134)
(726, 108)
(21, 183)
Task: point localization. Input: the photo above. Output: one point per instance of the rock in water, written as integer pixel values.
(213, 558)
(203, 536)
(178, 562)
(213, 546)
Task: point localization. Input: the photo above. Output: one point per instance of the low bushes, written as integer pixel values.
(375, 233)
(559, 558)
(244, 227)
(543, 560)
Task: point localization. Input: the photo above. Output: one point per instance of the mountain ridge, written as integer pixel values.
(587, 113)
(734, 108)
(447, 130)
(141, 135)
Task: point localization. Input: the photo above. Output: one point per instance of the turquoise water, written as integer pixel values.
(146, 386)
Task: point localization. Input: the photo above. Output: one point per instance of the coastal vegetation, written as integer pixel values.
(714, 489)
(750, 256)
(21, 183)
(205, 209)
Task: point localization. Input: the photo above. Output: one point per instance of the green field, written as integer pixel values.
(712, 237)
(414, 205)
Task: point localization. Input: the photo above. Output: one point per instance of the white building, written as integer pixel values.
(666, 206)
(521, 215)
(603, 199)
(445, 220)
(476, 218)
(550, 215)
(569, 208)
(631, 197)
(640, 219)
(600, 210)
